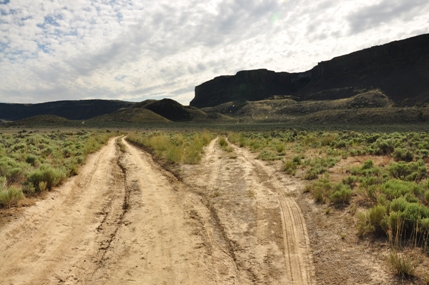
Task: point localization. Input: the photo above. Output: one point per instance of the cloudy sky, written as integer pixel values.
(135, 49)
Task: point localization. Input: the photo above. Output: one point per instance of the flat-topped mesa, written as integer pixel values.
(399, 69)
(249, 85)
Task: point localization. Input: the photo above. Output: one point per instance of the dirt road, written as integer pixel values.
(263, 226)
(124, 220)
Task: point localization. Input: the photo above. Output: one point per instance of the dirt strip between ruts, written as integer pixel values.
(125, 220)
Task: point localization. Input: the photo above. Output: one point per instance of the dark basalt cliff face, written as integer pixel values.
(72, 110)
(399, 69)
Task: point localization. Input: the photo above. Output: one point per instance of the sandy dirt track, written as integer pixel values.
(258, 215)
(125, 220)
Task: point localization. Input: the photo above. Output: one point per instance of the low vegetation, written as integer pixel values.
(379, 180)
(390, 198)
(184, 147)
(33, 162)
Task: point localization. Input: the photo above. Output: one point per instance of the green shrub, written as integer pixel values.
(401, 264)
(383, 147)
(48, 174)
(222, 142)
(10, 196)
(364, 227)
(350, 180)
(289, 167)
(398, 204)
(341, 194)
(297, 159)
(280, 148)
(372, 221)
(311, 174)
(402, 154)
(31, 159)
(376, 215)
(11, 169)
(413, 171)
(192, 155)
(426, 196)
(394, 188)
(368, 164)
(320, 189)
(268, 155)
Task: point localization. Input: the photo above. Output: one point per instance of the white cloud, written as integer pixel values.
(132, 50)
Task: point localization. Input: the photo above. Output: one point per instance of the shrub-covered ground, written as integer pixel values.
(180, 147)
(34, 162)
(386, 192)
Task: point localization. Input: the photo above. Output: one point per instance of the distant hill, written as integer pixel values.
(42, 120)
(372, 107)
(131, 115)
(398, 69)
(160, 111)
(176, 112)
(95, 112)
(72, 110)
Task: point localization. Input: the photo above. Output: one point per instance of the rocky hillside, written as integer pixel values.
(399, 69)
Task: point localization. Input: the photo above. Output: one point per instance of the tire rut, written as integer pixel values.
(114, 212)
(262, 224)
(295, 237)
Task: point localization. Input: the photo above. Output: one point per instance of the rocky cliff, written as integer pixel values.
(399, 69)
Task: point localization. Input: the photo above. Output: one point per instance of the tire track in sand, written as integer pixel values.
(57, 237)
(297, 254)
(122, 220)
(158, 242)
(264, 225)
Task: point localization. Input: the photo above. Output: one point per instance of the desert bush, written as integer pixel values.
(368, 164)
(372, 221)
(395, 188)
(311, 174)
(350, 180)
(398, 204)
(280, 148)
(268, 155)
(327, 139)
(402, 154)
(32, 160)
(401, 264)
(11, 169)
(364, 227)
(192, 155)
(222, 142)
(426, 196)
(289, 167)
(413, 171)
(341, 194)
(46, 173)
(10, 196)
(297, 159)
(376, 215)
(321, 189)
(383, 146)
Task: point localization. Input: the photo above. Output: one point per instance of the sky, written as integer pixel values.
(134, 50)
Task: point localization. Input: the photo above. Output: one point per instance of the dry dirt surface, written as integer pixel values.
(125, 220)
(259, 224)
(232, 219)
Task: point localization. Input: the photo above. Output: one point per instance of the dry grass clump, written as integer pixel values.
(178, 147)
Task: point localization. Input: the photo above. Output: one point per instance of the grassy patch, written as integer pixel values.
(174, 147)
